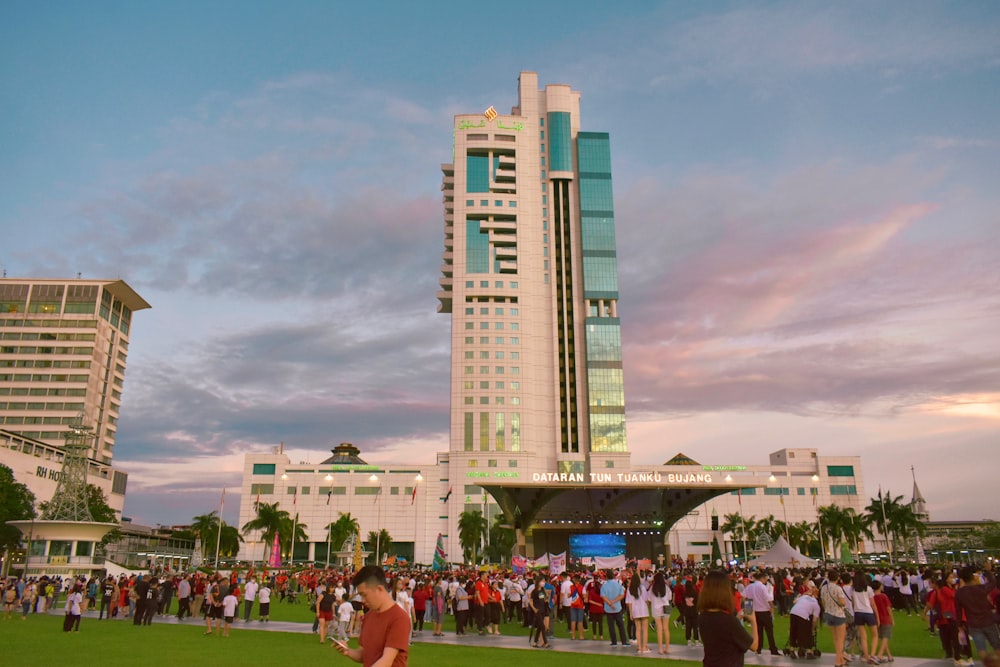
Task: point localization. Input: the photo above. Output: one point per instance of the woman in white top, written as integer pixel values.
(865, 616)
(660, 597)
(637, 599)
(404, 600)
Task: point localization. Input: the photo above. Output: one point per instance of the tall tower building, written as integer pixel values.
(530, 282)
(63, 346)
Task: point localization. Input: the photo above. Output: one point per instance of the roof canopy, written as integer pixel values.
(783, 554)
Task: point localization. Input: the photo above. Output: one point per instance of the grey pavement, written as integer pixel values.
(560, 643)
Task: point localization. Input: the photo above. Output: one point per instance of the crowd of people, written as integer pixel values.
(857, 605)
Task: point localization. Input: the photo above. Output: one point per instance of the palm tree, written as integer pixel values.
(338, 531)
(832, 522)
(855, 527)
(471, 527)
(269, 521)
(501, 541)
(285, 532)
(379, 540)
(738, 527)
(229, 541)
(767, 525)
(805, 537)
(206, 527)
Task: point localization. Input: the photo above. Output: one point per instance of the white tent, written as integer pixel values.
(782, 554)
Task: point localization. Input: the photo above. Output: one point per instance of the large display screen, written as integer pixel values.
(590, 545)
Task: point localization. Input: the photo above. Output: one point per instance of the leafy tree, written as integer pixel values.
(740, 528)
(288, 526)
(16, 502)
(893, 518)
(229, 541)
(341, 529)
(269, 521)
(501, 542)
(379, 540)
(205, 526)
(832, 522)
(471, 528)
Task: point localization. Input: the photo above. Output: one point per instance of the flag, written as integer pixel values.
(295, 496)
(378, 493)
(258, 497)
(739, 499)
(222, 503)
(815, 496)
(440, 557)
(781, 499)
(328, 494)
(413, 498)
(448, 495)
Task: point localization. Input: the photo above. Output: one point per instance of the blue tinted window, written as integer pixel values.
(477, 248)
(477, 173)
(560, 141)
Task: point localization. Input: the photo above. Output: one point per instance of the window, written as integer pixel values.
(262, 489)
(468, 370)
(515, 311)
(499, 370)
(484, 202)
(499, 354)
(498, 284)
(777, 491)
(484, 340)
(470, 311)
(470, 283)
(484, 325)
(513, 284)
(499, 311)
(515, 370)
(843, 490)
(470, 202)
(515, 340)
(483, 370)
(515, 326)
(499, 384)
(515, 400)
(497, 202)
(840, 471)
(515, 355)
(484, 400)
(515, 385)
(484, 384)
(491, 463)
(484, 284)
(484, 311)
(469, 354)
(513, 204)
(467, 400)
(263, 468)
(484, 354)
(470, 325)
(469, 340)
(468, 384)
(499, 340)
(498, 326)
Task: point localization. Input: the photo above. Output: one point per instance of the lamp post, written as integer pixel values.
(378, 517)
(329, 527)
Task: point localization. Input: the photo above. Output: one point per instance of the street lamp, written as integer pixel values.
(378, 518)
(329, 527)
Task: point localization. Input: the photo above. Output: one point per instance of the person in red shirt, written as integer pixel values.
(678, 599)
(385, 629)
(481, 598)
(576, 608)
(883, 610)
(420, 596)
(595, 605)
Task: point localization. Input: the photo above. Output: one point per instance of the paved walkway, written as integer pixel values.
(560, 643)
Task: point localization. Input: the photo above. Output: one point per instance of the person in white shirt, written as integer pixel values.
(637, 599)
(803, 619)
(565, 593)
(763, 611)
(660, 597)
(73, 609)
(249, 595)
(264, 600)
(230, 604)
(344, 613)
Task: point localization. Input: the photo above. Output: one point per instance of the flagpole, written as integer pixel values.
(885, 527)
(218, 536)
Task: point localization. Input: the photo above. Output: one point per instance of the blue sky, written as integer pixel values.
(808, 220)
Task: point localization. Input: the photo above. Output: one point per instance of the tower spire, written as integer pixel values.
(69, 503)
(918, 503)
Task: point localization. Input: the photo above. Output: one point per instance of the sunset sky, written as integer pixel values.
(807, 202)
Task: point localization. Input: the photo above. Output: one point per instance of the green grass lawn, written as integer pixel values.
(40, 640)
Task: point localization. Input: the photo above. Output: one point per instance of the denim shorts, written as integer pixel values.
(865, 618)
(833, 621)
(575, 615)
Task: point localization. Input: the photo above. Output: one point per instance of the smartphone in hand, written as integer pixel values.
(340, 644)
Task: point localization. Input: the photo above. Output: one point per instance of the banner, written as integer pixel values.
(613, 563)
(519, 564)
(538, 563)
(557, 564)
(643, 564)
(275, 559)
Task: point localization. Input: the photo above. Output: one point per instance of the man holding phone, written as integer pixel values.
(385, 628)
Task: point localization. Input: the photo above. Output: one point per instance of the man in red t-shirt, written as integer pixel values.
(385, 628)
(481, 598)
(883, 611)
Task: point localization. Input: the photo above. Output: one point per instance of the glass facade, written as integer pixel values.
(477, 174)
(600, 286)
(477, 248)
(560, 142)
